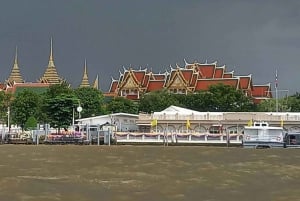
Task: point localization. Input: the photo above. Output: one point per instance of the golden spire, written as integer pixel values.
(15, 75)
(50, 75)
(51, 60)
(85, 79)
(96, 83)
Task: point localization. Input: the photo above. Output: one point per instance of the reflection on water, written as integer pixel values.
(35, 173)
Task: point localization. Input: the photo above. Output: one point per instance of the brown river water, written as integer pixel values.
(134, 173)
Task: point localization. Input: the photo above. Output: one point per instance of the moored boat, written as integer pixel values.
(261, 135)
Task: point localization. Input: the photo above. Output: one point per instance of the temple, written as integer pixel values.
(190, 78)
(51, 76)
(132, 84)
(15, 82)
(15, 75)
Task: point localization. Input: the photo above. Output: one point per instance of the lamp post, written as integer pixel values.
(110, 130)
(79, 109)
(8, 118)
(73, 118)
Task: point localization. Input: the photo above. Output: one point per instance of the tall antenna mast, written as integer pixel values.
(276, 90)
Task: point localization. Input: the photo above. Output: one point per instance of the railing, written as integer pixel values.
(177, 137)
(220, 116)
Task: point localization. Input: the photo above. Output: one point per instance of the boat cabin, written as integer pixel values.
(292, 140)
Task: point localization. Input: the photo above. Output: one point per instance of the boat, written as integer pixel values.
(292, 140)
(262, 135)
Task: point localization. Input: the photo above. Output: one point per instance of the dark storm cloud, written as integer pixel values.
(249, 37)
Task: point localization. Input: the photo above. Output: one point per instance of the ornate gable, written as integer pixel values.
(129, 81)
(176, 80)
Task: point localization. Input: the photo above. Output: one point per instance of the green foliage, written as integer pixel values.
(221, 98)
(224, 98)
(57, 106)
(91, 101)
(294, 103)
(284, 105)
(5, 102)
(121, 104)
(59, 110)
(24, 105)
(157, 101)
(57, 89)
(31, 123)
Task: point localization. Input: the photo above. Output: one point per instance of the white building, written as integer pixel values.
(122, 122)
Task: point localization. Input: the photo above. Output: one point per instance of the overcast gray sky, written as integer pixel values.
(250, 37)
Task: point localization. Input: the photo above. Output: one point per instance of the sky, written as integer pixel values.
(248, 36)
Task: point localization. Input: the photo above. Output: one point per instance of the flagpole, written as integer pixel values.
(276, 90)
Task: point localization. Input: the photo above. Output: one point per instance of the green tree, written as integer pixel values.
(91, 101)
(284, 105)
(120, 104)
(224, 98)
(58, 103)
(196, 101)
(5, 102)
(59, 110)
(31, 123)
(157, 101)
(24, 105)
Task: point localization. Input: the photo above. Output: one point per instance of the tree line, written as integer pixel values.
(57, 105)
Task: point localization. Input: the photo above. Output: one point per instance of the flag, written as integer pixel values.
(281, 122)
(188, 124)
(250, 122)
(276, 80)
(154, 122)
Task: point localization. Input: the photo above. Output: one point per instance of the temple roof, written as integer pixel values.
(96, 83)
(85, 79)
(51, 76)
(15, 75)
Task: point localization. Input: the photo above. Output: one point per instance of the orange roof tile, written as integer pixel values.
(203, 84)
(261, 91)
(139, 75)
(132, 96)
(187, 74)
(159, 76)
(146, 80)
(207, 70)
(219, 72)
(245, 82)
(228, 75)
(155, 85)
(113, 86)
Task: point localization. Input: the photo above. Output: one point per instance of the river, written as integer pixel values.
(134, 173)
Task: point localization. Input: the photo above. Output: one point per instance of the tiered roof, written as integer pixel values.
(85, 79)
(15, 75)
(51, 76)
(191, 78)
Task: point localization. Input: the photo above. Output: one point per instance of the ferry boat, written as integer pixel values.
(261, 135)
(292, 140)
